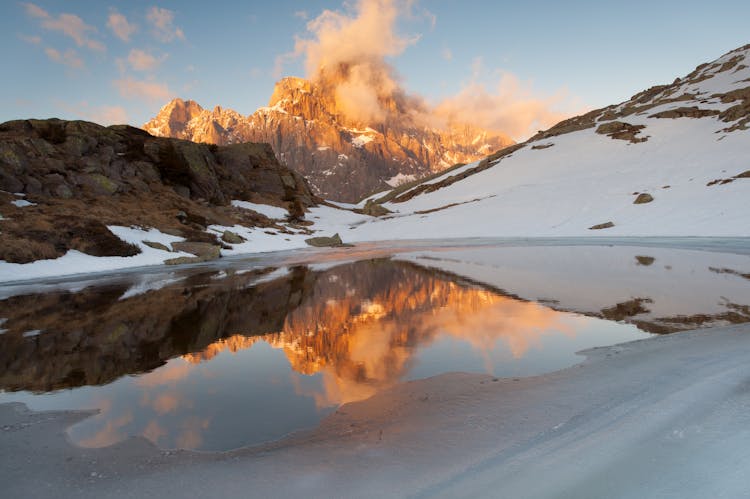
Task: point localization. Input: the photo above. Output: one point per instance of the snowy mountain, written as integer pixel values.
(342, 158)
(672, 160)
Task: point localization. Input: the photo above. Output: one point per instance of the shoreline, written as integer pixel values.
(666, 415)
(739, 245)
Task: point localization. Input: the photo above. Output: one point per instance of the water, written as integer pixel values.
(220, 359)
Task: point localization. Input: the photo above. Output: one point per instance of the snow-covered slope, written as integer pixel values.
(686, 145)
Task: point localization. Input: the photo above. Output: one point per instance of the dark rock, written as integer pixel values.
(232, 238)
(321, 242)
(204, 251)
(605, 225)
(155, 245)
(643, 198)
(622, 131)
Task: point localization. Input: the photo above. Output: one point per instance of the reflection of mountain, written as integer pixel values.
(359, 324)
(362, 324)
(92, 337)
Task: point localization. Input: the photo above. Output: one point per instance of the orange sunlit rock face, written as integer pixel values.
(363, 339)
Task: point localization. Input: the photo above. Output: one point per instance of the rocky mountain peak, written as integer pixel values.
(344, 157)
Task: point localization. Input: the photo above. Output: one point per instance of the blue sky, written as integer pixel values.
(62, 59)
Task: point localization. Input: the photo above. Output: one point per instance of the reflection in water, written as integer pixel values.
(225, 360)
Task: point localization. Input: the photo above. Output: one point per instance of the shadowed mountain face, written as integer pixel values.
(343, 158)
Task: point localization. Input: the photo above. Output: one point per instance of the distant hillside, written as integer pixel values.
(342, 159)
(672, 160)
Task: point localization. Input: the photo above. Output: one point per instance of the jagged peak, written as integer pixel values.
(287, 87)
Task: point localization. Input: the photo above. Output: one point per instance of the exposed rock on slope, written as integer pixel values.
(343, 160)
(77, 177)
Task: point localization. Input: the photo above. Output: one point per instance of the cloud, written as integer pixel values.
(104, 115)
(68, 58)
(447, 54)
(136, 89)
(509, 105)
(345, 54)
(33, 40)
(120, 26)
(68, 24)
(141, 60)
(162, 21)
(109, 115)
(301, 14)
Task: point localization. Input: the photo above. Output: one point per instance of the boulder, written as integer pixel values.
(322, 242)
(232, 238)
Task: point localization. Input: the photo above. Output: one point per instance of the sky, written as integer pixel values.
(519, 66)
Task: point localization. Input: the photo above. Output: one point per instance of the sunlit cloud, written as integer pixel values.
(509, 105)
(120, 26)
(103, 115)
(162, 22)
(346, 53)
(301, 14)
(136, 89)
(33, 40)
(68, 58)
(140, 60)
(68, 24)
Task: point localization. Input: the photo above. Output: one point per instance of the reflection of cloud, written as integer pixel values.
(174, 371)
(110, 434)
(166, 402)
(154, 431)
(191, 436)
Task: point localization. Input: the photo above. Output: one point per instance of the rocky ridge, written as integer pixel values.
(64, 182)
(342, 159)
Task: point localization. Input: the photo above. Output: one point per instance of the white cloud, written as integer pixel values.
(68, 24)
(162, 21)
(68, 58)
(150, 90)
(140, 60)
(120, 26)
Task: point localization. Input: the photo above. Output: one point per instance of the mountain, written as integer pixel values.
(670, 161)
(342, 158)
(65, 184)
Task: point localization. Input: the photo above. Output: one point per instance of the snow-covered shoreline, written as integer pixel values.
(665, 417)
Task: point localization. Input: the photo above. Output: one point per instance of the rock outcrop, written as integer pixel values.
(343, 160)
(77, 177)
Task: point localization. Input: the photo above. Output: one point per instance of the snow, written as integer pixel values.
(361, 140)
(662, 417)
(264, 209)
(75, 262)
(399, 179)
(148, 282)
(21, 203)
(584, 179)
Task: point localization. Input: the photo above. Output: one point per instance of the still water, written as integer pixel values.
(222, 359)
